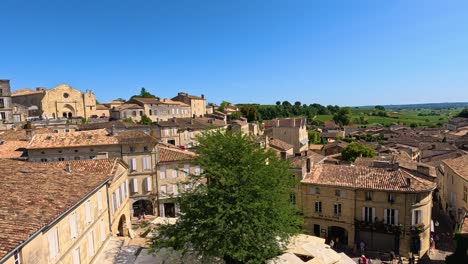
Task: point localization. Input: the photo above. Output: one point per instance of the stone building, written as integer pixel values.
(162, 109)
(387, 208)
(55, 213)
(197, 104)
(60, 101)
(6, 105)
(290, 130)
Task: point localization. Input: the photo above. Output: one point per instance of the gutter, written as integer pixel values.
(47, 226)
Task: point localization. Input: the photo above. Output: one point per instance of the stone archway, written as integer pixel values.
(338, 234)
(122, 227)
(68, 111)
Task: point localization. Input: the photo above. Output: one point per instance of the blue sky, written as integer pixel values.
(329, 52)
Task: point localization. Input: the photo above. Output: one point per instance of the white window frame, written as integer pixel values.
(370, 212)
(392, 215)
(416, 217)
(337, 208)
(76, 256)
(318, 207)
(133, 164)
(102, 226)
(99, 200)
(149, 185)
(135, 185)
(147, 163)
(91, 249)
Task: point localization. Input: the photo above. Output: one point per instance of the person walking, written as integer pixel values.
(362, 246)
(364, 259)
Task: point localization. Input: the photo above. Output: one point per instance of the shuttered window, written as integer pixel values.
(162, 172)
(73, 226)
(391, 216)
(91, 244)
(52, 237)
(135, 185)
(147, 163)
(133, 164)
(368, 214)
(88, 212)
(149, 185)
(99, 200)
(103, 230)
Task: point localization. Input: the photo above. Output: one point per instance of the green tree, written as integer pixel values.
(314, 137)
(380, 107)
(250, 112)
(463, 113)
(145, 120)
(127, 120)
(354, 150)
(223, 105)
(243, 212)
(234, 116)
(144, 94)
(343, 116)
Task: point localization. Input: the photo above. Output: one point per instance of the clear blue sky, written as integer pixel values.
(329, 52)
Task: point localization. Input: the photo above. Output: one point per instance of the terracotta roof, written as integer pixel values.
(25, 91)
(158, 101)
(459, 165)
(72, 139)
(13, 135)
(360, 177)
(101, 107)
(35, 194)
(198, 123)
(12, 149)
(94, 166)
(108, 125)
(189, 96)
(280, 145)
(335, 144)
(170, 154)
(128, 106)
(135, 137)
(286, 122)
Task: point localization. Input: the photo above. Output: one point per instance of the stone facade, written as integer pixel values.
(197, 104)
(60, 101)
(6, 105)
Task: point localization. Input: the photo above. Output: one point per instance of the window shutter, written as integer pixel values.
(373, 215)
(91, 243)
(73, 226)
(53, 242)
(413, 217)
(113, 203)
(135, 185)
(117, 195)
(88, 211)
(312, 190)
(103, 230)
(122, 190)
(174, 173)
(385, 216)
(162, 172)
(396, 217)
(187, 169)
(161, 210)
(76, 256)
(364, 214)
(175, 189)
(133, 164)
(148, 184)
(126, 187)
(99, 200)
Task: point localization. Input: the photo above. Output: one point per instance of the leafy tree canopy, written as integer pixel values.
(354, 150)
(145, 120)
(342, 116)
(463, 113)
(144, 94)
(380, 107)
(242, 211)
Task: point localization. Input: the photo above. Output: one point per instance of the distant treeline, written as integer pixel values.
(256, 112)
(423, 106)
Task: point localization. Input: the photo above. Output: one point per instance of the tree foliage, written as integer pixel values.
(354, 150)
(250, 112)
(145, 120)
(380, 107)
(463, 113)
(314, 137)
(144, 94)
(242, 211)
(342, 116)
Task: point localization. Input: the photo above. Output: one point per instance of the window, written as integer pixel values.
(126, 187)
(113, 202)
(391, 197)
(417, 198)
(3, 115)
(368, 214)
(337, 209)
(133, 113)
(122, 190)
(391, 216)
(17, 257)
(88, 212)
(465, 194)
(135, 185)
(117, 197)
(187, 169)
(99, 200)
(132, 149)
(162, 172)
(150, 112)
(73, 226)
(148, 184)
(174, 131)
(318, 207)
(52, 237)
(147, 163)
(133, 165)
(145, 148)
(166, 131)
(339, 193)
(175, 173)
(102, 227)
(416, 217)
(314, 190)
(163, 189)
(185, 135)
(197, 170)
(43, 160)
(61, 159)
(141, 113)
(76, 256)
(368, 196)
(175, 189)
(292, 198)
(65, 95)
(76, 158)
(91, 243)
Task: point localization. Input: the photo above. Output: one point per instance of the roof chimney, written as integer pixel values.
(68, 168)
(203, 96)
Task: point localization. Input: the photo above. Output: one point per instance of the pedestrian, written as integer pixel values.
(400, 260)
(410, 257)
(362, 246)
(392, 256)
(364, 260)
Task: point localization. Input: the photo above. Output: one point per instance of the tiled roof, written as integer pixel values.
(72, 139)
(94, 166)
(280, 145)
(360, 177)
(135, 137)
(286, 122)
(25, 91)
(128, 106)
(158, 101)
(12, 149)
(170, 154)
(34, 194)
(199, 123)
(101, 107)
(13, 135)
(335, 144)
(117, 124)
(459, 165)
(189, 96)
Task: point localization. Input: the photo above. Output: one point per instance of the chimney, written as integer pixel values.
(408, 182)
(68, 168)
